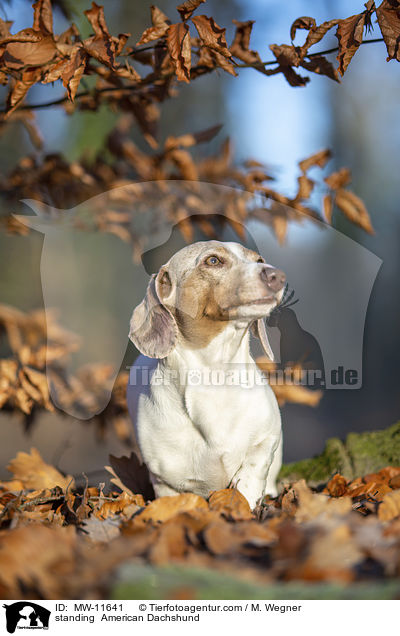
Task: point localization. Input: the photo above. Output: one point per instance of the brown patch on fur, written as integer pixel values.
(199, 316)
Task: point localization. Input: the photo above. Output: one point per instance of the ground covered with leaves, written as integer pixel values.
(58, 541)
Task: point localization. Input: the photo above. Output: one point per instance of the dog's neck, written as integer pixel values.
(229, 346)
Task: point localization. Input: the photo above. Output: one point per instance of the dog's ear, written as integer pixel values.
(153, 329)
(259, 331)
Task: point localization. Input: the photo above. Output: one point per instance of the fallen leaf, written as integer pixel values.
(112, 507)
(331, 557)
(36, 558)
(169, 544)
(101, 530)
(165, 508)
(231, 503)
(337, 486)
(35, 474)
(131, 475)
(390, 506)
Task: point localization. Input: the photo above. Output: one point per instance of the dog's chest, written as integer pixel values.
(230, 417)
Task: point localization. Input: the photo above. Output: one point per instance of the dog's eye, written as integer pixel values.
(213, 260)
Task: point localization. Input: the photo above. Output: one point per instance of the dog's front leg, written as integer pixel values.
(253, 479)
(161, 489)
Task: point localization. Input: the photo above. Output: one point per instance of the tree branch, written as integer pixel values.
(326, 52)
(129, 89)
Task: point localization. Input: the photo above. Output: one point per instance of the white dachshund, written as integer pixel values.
(204, 416)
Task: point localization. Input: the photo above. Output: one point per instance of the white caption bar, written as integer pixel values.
(172, 617)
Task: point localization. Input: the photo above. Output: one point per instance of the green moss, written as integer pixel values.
(136, 581)
(360, 454)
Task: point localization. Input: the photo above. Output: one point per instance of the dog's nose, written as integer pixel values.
(274, 278)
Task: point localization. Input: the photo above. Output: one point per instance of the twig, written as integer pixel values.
(129, 89)
(326, 52)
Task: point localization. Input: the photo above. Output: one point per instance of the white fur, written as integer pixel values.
(200, 438)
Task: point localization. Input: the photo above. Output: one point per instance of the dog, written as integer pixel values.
(197, 432)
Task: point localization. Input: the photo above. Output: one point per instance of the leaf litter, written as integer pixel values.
(60, 541)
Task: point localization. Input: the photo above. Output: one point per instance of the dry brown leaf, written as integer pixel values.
(102, 531)
(231, 503)
(337, 486)
(211, 34)
(27, 49)
(131, 475)
(286, 54)
(320, 65)
(179, 47)
(69, 70)
(220, 538)
(318, 159)
(169, 544)
(297, 394)
(350, 35)
(241, 43)
(390, 507)
(338, 179)
(306, 186)
(313, 505)
(316, 34)
(165, 508)
(280, 224)
(39, 381)
(43, 16)
(187, 8)
(388, 14)
(375, 489)
(120, 504)
(305, 22)
(327, 204)
(185, 163)
(20, 89)
(354, 209)
(35, 474)
(223, 538)
(191, 139)
(36, 558)
(394, 482)
(331, 557)
(159, 29)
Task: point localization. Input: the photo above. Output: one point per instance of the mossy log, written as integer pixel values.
(358, 455)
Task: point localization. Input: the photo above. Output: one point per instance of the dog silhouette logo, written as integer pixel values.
(26, 615)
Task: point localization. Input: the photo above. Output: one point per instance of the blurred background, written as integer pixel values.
(269, 121)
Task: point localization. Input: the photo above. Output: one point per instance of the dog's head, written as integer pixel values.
(200, 289)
